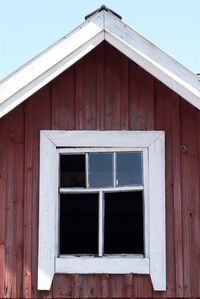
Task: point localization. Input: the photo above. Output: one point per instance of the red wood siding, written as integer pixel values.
(104, 90)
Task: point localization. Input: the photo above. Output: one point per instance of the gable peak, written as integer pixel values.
(103, 7)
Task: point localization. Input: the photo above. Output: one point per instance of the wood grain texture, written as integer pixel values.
(14, 204)
(190, 196)
(100, 63)
(141, 99)
(3, 195)
(104, 90)
(112, 89)
(62, 91)
(79, 106)
(89, 91)
(178, 227)
(124, 82)
(197, 217)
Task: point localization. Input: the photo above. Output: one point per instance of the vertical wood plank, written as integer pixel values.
(197, 220)
(79, 110)
(91, 287)
(3, 179)
(63, 101)
(190, 195)
(178, 233)
(10, 281)
(77, 286)
(149, 101)
(100, 86)
(141, 98)
(14, 203)
(117, 286)
(89, 91)
(112, 88)
(137, 111)
(124, 93)
(105, 285)
(62, 286)
(19, 197)
(128, 285)
(142, 286)
(28, 194)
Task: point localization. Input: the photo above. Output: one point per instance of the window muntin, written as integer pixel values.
(104, 171)
(101, 169)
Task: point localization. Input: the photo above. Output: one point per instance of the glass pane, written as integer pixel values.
(124, 223)
(129, 169)
(100, 169)
(79, 223)
(72, 171)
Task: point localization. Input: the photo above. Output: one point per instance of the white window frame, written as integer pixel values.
(154, 260)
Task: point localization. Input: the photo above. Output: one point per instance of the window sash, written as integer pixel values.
(115, 188)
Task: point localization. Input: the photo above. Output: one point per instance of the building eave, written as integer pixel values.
(99, 27)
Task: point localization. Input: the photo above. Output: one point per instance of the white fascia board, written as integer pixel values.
(33, 86)
(45, 67)
(153, 59)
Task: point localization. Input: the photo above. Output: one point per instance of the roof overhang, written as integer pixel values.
(99, 27)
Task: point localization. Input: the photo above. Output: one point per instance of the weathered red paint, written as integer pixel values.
(104, 90)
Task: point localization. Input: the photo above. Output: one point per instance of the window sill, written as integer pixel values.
(108, 264)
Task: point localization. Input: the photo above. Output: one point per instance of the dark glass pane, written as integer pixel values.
(100, 170)
(79, 223)
(129, 169)
(124, 223)
(72, 171)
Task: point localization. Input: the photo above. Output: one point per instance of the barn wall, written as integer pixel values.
(104, 90)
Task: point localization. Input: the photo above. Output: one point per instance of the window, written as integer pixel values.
(102, 204)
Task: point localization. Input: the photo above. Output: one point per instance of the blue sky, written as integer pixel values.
(27, 27)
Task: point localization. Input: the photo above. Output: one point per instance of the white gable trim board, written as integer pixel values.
(102, 26)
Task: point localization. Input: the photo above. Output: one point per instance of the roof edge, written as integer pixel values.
(100, 26)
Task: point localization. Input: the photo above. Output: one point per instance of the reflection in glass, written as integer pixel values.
(129, 168)
(100, 169)
(72, 171)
